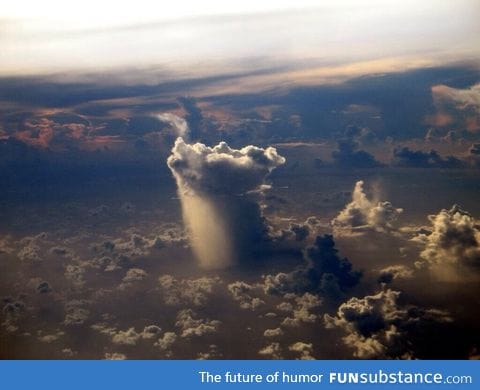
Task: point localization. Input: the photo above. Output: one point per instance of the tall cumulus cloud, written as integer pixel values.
(363, 214)
(219, 188)
(452, 249)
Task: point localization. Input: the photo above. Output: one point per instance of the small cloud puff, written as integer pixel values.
(186, 291)
(242, 293)
(363, 214)
(191, 326)
(303, 349)
(271, 351)
(389, 274)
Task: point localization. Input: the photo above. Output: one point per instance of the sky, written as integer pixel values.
(213, 36)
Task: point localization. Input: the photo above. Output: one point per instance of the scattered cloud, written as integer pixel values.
(363, 214)
(115, 356)
(452, 249)
(393, 272)
(243, 293)
(165, 343)
(271, 351)
(301, 310)
(75, 313)
(186, 291)
(276, 332)
(126, 337)
(190, 326)
(305, 350)
(378, 326)
(404, 157)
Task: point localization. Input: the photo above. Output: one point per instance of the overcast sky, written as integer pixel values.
(52, 36)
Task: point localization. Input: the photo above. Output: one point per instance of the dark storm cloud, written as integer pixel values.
(347, 156)
(362, 135)
(44, 287)
(324, 272)
(405, 157)
(128, 128)
(299, 232)
(195, 119)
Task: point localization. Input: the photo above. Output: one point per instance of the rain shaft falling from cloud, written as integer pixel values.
(218, 187)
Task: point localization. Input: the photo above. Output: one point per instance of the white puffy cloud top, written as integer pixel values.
(221, 169)
(453, 247)
(364, 214)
